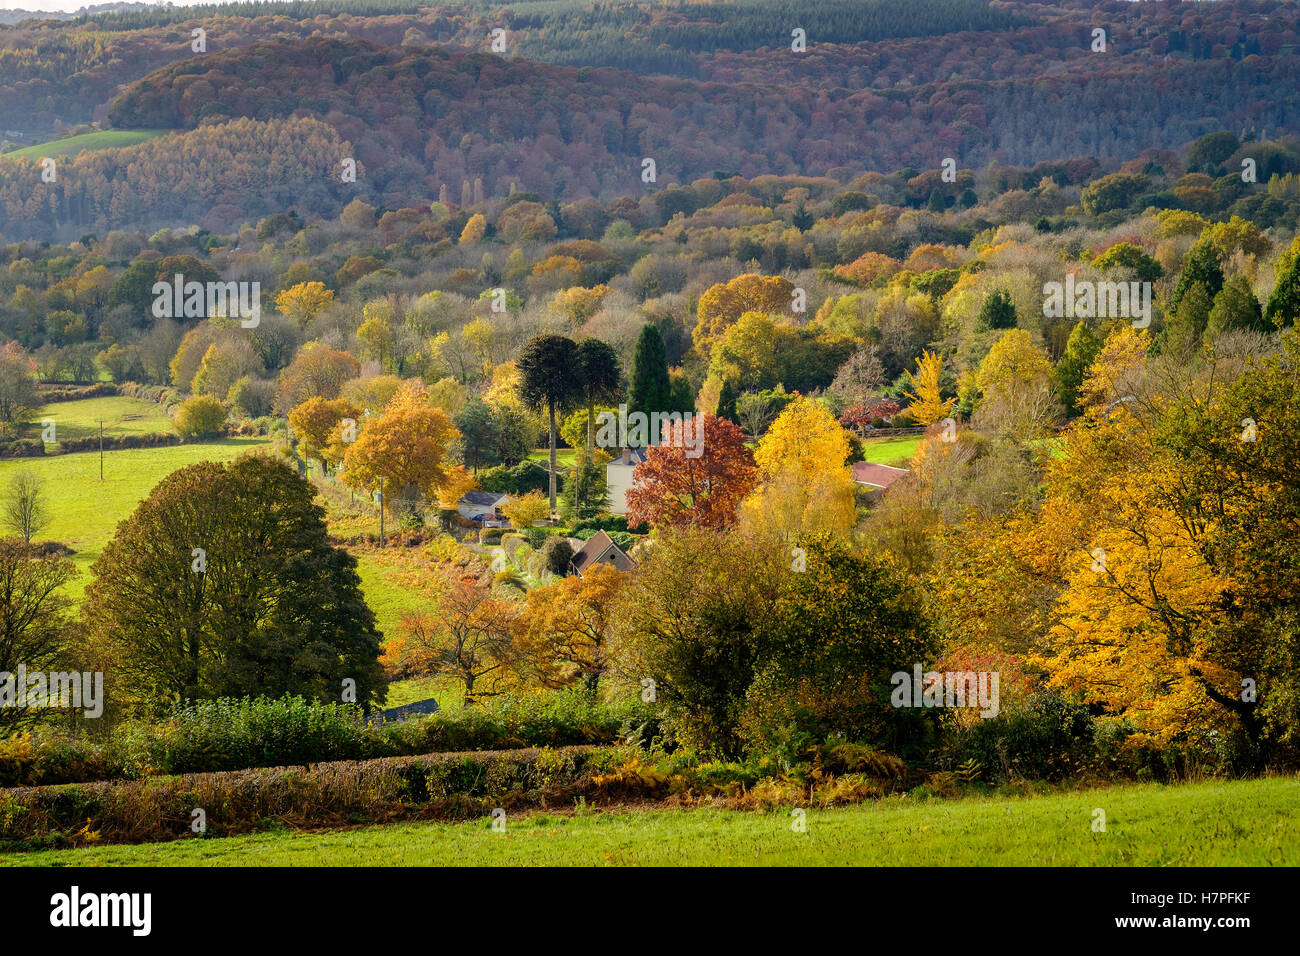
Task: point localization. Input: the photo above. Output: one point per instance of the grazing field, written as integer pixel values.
(121, 414)
(891, 451)
(564, 457)
(84, 511)
(388, 597)
(1237, 823)
(103, 139)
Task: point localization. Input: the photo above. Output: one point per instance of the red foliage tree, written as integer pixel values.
(673, 488)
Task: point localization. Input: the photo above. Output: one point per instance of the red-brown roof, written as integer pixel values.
(877, 476)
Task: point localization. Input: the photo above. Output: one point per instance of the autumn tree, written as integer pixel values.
(927, 404)
(199, 417)
(317, 369)
(526, 510)
(304, 301)
(804, 482)
(724, 303)
(676, 487)
(475, 229)
(1181, 522)
(1017, 386)
(223, 582)
(314, 422)
(565, 629)
(470, 638)
(405, 448)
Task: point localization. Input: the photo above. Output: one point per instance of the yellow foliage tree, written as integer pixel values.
(304, 301)
(564, 631)
(724, 303)
(927, 404)
(314, 420)
(525, 510)
(578, 304)
(474, 229)
(405, 447)
(806, 485)
(458, 483)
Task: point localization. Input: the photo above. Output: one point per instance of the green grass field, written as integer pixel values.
(85, 512)
(1239, 823)
(103, 139)
(891, 451)
(563, 457)
(387, 596)
(122, 415)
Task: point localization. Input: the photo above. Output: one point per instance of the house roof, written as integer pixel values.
(601, 549)
(634, 457)
(487, 499)
(876, 476)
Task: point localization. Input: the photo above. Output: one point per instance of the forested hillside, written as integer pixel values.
(421, 99)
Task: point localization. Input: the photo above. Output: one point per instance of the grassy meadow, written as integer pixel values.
(102, 139)
(564, 457)
(121, 414)
(85, 511)
(1233, 823)
(891, 451)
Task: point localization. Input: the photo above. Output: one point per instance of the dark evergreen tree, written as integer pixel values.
(1200, 268)
(997, 311)
(651, 389)
(727, 403)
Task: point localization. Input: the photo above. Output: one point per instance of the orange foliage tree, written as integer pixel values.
(672, 488)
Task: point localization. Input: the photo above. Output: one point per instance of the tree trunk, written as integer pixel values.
(552, 411)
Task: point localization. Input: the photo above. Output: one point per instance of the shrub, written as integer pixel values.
(72, 393)
(558, 554)
(1048, 738)
(200, 417)
(22, 448)
(536, 537)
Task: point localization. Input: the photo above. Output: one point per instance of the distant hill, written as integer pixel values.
(583, 96)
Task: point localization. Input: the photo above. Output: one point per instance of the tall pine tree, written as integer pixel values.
(1080, 351)
(651, 386)
(727, 403)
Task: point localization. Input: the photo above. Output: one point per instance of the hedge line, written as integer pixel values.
(115, 442)
(453, 786)
(71, 393)
(224, 735)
